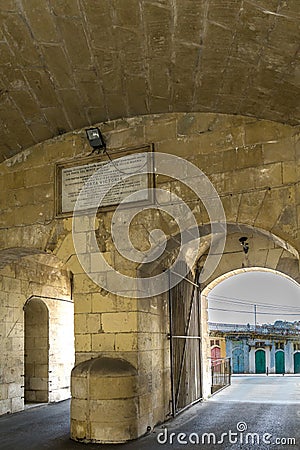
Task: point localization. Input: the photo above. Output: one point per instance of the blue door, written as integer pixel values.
(238, 360)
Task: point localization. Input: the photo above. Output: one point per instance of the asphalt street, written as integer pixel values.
(226, 422)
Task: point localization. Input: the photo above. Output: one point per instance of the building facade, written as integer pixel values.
(264, 349)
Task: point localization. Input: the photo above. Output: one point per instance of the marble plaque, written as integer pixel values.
(111, 183)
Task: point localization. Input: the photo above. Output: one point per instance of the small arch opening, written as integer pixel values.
(36, 352)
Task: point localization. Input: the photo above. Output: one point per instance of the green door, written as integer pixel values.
(260, 361)
(279, 362)
(297, 362)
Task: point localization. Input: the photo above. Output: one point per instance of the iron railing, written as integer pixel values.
(220, 374)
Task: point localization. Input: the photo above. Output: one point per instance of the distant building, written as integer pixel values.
(262, 349)
(218, 348)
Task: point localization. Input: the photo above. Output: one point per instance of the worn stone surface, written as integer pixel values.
(34, 363)
(260, 194)
(142, 57)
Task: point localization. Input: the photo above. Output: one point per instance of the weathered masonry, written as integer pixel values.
(121, 380)
(215, 83)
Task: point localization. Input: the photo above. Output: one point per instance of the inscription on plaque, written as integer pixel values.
(108, 187)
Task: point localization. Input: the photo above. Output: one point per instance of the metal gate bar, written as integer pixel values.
(176, 389)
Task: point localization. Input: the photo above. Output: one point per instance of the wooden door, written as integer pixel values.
(260, 361)
(297, 362)
(279, 362)
(184, 306)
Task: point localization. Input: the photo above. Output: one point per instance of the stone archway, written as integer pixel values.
(258, 186)
(39, 312)
(36, 355)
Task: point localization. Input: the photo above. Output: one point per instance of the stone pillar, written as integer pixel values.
(128, 338)
(246, 356)
(289, 357)
(268, 358)
(272, 358)
(229, 349)
(252, 360)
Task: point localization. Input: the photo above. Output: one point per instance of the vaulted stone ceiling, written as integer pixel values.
(66, 64)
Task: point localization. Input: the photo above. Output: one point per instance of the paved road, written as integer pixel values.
(262, 389)
(47, 427)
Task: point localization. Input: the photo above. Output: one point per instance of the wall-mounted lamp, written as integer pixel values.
(95, 138)
(244, 244)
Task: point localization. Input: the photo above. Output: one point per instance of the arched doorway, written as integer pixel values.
(238, 360)
(297, 362)
(36, 352)
(279, 362)
(260, 361)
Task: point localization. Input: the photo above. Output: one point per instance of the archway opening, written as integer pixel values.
(256, 311)
(36, 352)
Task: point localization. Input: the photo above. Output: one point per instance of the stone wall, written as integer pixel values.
(21, 283)
(253, 164)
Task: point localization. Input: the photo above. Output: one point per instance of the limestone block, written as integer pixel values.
(98, 264)
(38, 384)
(250, 204)
(30, 396)
(116, 433)
(111, 402)
(17, 404)
(231, 204)
(79, 429)
(110, 410)
(103, 342)
(83, 342)
(119, 322)
(14, 390)
(65, 249)
(242, 180)
(79, 387)
(263, 131)
(268, 175)
(126, 342)
(80, 323)
(93, 323)
(83, 284)
(5, 406)
(101, 303)
(289, 172)
(11, 285)
(3, 391)
(146, 404)
(79, 409)
(41, 396)
(113, 388)
(191, 123)
(124, 138)
(160, 130)
(283, 150)
(82, 303)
